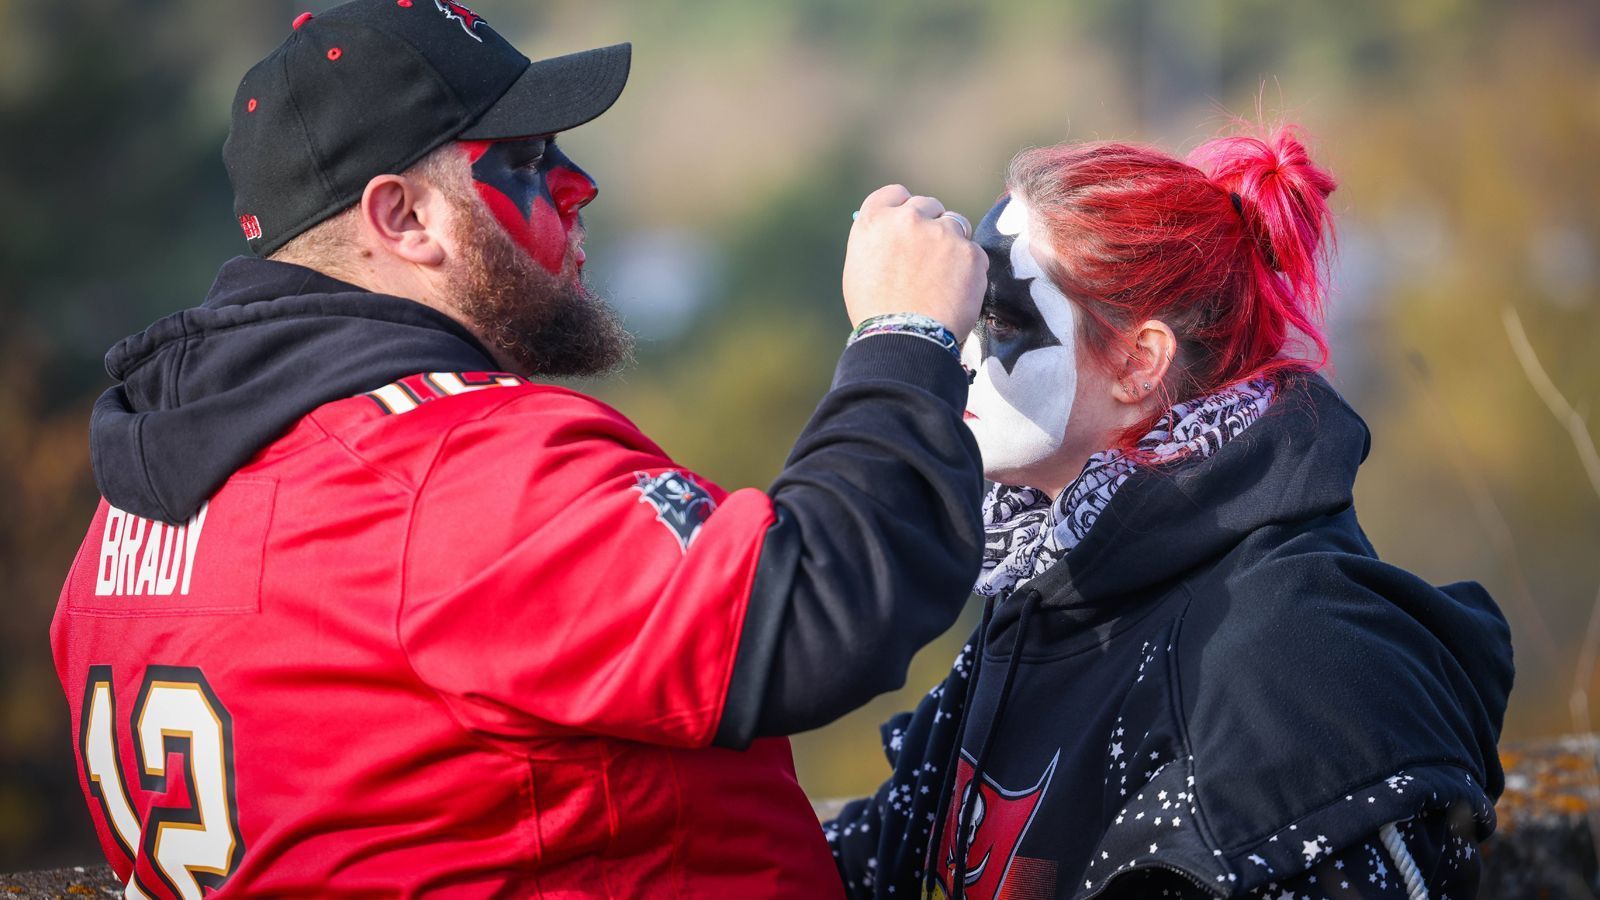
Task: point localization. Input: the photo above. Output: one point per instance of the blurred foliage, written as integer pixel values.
(1462, 132)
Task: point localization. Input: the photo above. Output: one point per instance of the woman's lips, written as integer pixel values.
(968, 415)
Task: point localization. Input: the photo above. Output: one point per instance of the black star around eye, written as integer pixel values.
(496, 168)
(1002, 278)
(1011, 299)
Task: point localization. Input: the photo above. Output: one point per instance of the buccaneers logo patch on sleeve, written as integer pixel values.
(680, 504)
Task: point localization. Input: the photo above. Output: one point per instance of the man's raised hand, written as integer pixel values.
(904, 256)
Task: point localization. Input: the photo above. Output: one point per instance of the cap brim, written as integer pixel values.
(556, 95)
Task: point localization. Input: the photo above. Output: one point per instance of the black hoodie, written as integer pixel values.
(202, 390)
(1221, 684)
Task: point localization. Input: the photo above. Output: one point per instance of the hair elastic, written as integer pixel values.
(1263, 241)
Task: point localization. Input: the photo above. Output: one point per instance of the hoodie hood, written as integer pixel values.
(1296, 464)
(202, 391)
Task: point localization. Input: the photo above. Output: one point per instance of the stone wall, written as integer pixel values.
(1549, 821)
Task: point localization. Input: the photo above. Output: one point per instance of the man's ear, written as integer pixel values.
(404, 219)
(1149, 359)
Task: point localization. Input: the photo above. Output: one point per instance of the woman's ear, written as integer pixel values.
(1149, 360)
(404, 219)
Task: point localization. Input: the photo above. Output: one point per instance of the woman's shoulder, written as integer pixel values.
(1311, 703)
(1284, 589)
(1312, 671)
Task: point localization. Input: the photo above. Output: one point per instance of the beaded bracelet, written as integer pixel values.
(925, 327)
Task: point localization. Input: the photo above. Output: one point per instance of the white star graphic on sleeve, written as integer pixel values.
(1312, 849)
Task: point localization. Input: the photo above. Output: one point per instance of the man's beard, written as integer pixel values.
(548, 325)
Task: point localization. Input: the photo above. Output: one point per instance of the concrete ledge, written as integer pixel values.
(83, 881)
(1549, 819)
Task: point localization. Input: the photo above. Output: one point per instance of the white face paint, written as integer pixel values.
(1024, 351)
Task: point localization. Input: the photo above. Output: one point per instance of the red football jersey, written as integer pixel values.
(463, 635)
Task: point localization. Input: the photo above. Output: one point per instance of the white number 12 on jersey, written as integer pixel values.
(191, 848)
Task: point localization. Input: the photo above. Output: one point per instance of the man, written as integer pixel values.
(367, 610)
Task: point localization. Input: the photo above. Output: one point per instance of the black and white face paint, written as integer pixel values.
(1024, 350)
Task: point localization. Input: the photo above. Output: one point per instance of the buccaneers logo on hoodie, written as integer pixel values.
(995, 827)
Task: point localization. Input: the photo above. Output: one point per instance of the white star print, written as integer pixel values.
(1311, 849)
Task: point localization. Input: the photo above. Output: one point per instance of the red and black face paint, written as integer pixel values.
(535, 193)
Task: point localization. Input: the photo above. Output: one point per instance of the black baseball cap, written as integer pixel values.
(371, 87)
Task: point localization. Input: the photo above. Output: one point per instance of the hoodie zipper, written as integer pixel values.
(1184, 873)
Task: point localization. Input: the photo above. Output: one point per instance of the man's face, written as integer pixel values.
(535, 193)
(521, 282)
(1024, 351)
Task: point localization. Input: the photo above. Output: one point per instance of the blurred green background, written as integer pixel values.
(1464, 133)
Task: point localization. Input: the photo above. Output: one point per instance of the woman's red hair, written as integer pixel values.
(1230, 249)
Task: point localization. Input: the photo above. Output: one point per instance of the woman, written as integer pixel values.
(1196, 678)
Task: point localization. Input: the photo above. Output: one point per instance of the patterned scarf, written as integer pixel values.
(1027, 533)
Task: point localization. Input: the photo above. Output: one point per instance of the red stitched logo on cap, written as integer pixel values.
(251, 226)
(469, 20)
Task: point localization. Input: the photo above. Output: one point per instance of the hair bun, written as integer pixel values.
(1283, 201)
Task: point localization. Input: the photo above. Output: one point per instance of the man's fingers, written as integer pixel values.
(927, 207)
(886, 196)
(895, 195)
(958, 223)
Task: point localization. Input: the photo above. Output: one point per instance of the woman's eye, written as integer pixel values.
(998, 328)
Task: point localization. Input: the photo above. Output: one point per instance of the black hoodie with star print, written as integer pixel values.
(1220, 692)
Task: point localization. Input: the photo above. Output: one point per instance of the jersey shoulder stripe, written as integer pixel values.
(403, 396)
